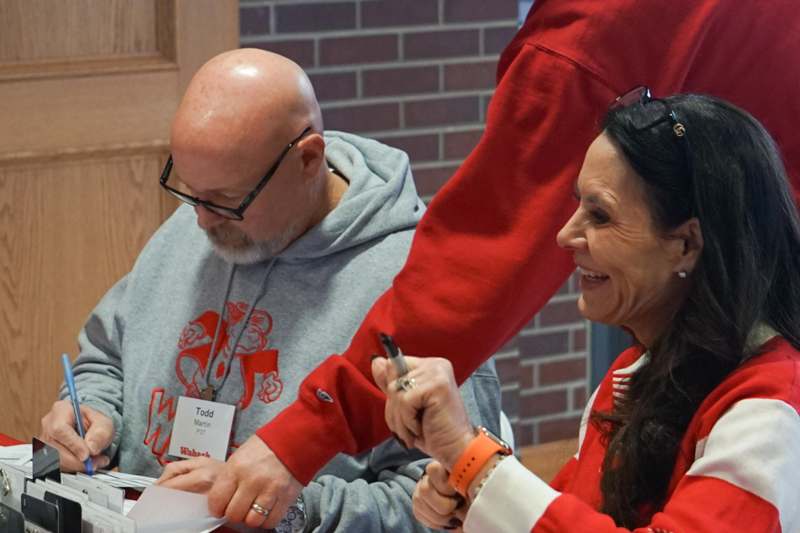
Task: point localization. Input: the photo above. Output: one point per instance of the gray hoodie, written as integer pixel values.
(150, 338)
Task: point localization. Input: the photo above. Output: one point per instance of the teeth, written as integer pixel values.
(591, 274)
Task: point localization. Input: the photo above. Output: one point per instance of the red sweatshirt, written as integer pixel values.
(738, 467)
(484, 259)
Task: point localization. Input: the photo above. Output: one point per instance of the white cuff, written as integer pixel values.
(513, 499)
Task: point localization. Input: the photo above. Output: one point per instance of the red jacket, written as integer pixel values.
(484, 259)
(737, 465)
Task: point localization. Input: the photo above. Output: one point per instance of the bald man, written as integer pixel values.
(288, 237)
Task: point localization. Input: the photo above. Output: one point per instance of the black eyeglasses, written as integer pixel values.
(652, 113)
(233, 213)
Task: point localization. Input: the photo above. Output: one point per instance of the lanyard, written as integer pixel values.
(209, 392)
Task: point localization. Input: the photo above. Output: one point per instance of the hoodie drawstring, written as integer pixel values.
(210, 391)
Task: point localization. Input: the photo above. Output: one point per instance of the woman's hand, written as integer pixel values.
(436, 504)
(192, 475)
(429, 414)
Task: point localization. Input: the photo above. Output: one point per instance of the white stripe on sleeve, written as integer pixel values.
(587, 412)
(755, 446)
(512, 500)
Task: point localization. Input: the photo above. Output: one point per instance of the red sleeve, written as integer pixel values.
(564, 475)
(698, 505)
(484, 259)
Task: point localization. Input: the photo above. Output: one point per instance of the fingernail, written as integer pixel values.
(398, 439)
(373, 357)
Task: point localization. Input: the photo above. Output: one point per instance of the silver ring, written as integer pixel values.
(260, 510)
(405, 384)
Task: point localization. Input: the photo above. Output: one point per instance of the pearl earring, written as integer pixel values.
(682, 274)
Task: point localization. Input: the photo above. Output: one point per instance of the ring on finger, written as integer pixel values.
(264, 512)
(405, 383)
(260, 510)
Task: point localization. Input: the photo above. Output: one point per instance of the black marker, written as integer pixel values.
(394, 354)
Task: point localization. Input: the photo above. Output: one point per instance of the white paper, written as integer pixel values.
(19, 454)
(110, 521)
(161, 509)
(98, 491)
(127, 505)
(122, 480)
(92, 489)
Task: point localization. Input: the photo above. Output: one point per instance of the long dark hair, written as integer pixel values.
(727, 172)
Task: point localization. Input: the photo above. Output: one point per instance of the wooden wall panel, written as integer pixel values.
(204, 28)
(56, 224)
(110, 110)
(76, 29)
(87, 92)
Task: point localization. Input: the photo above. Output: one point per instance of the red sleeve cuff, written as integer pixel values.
(311, 431)
(300, 440)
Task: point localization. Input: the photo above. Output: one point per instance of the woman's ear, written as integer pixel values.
(691, 235)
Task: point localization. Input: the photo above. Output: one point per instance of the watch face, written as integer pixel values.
(500, 442)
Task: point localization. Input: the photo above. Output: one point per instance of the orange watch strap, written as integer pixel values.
(473, 459)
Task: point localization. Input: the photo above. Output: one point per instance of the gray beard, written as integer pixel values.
(256, 253)
(235, 247)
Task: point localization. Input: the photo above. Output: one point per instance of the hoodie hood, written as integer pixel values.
(381, 198)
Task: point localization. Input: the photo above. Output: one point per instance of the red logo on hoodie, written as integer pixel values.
(258, 366)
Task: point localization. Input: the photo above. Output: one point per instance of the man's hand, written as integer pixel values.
(192, 475)
(253, 474)
(58, 430)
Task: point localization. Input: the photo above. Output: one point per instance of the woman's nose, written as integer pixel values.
(570, 236)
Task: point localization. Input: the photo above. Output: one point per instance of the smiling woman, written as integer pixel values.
(718, 197)
(686, 235)
(628, 263)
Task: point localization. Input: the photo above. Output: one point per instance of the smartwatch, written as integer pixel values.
(479, 451)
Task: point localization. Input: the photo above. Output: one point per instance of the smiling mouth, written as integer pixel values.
(591, 278)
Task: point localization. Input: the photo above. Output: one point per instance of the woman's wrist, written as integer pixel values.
(458, 450)
(481, 451)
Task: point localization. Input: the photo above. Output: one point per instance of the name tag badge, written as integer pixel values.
(201, 429)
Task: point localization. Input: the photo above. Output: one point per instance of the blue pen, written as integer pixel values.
(73, 395)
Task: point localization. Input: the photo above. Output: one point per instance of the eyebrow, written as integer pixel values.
(590, 198)
(594, 199)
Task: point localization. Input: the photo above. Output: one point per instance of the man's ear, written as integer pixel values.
(691, 235)
(312, 153)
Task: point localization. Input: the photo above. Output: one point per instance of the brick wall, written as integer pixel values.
(418, 74)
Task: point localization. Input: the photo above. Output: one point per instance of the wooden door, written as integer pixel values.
(87, 92)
